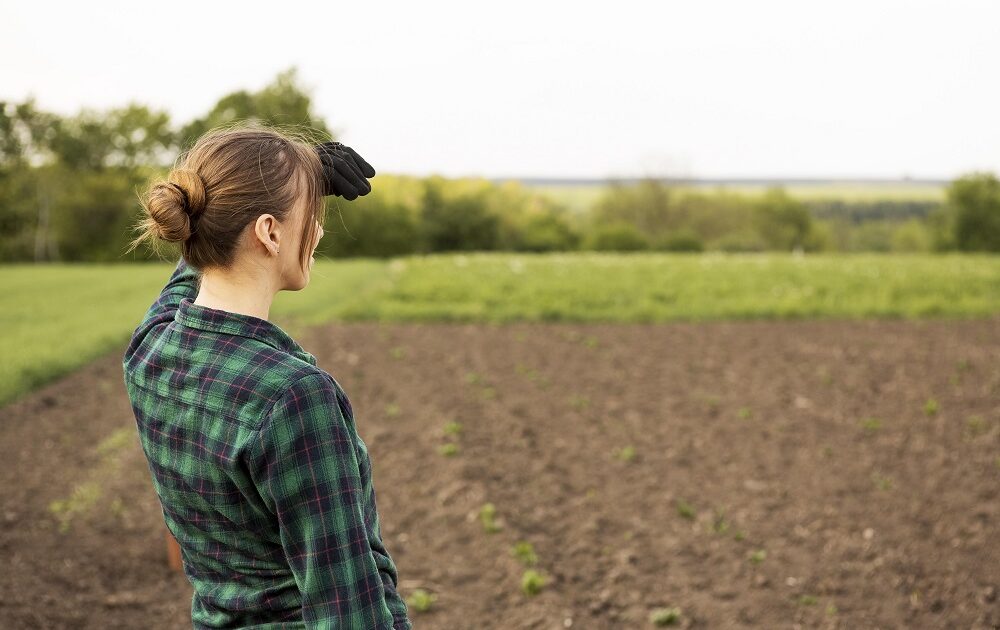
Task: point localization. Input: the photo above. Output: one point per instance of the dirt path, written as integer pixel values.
(784, 475)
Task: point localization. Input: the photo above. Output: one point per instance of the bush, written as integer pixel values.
(372, 226)
(618, 236)
(783, 222)
(682, 241)
(457, 223)
(975, 201)
(546, 232)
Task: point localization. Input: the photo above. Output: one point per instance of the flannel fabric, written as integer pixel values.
(259, 469)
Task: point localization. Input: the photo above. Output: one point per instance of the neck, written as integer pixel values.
(236, 292)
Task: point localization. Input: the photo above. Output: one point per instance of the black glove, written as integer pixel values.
(344, 171)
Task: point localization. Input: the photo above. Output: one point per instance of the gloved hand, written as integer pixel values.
(344, 171)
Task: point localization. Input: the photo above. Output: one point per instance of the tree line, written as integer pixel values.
(68, 192)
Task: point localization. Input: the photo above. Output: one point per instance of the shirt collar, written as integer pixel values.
(216, 320)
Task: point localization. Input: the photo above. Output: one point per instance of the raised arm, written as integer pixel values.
(183, 282)
(306, 469)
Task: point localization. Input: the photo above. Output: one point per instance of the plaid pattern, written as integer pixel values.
(260, 471)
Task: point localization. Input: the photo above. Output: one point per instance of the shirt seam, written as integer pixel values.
(267, 414)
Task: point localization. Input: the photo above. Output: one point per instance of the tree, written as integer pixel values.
(462, 222)
(646, 205)
(282, 103)
(974, 201)
(782, 221)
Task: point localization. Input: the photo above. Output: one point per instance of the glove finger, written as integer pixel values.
(357, 181)
(366, 168)
(329, 169)
(343, 187)
(346, 157)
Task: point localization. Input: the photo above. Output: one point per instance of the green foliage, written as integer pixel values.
(757, 556)
(619, 236)
(931, 407)
(371, 226)
(682, 241)
(685, 509)
(83, 498)
(913, 235)
(882, 482)
(975, 201)
(68, 189)
(283, 102)
(532, 582)
(665, 616)
(625, 453)
(646, 206)
(524, 552)
(463, 222)
(546, 232)
(487, 516)
(975, 426)
(783, 223)
(719, 523)
(871, 425)
(421, 600)
(448, 449)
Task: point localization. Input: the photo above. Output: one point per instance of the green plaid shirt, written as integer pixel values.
(260, 471)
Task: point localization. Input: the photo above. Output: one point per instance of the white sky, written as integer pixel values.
(563, 89)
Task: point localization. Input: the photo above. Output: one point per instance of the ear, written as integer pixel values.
(267, 230)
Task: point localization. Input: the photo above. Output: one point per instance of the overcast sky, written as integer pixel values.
(563, 89)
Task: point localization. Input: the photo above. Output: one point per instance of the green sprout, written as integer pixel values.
(420, 600)
(931, 407)
(719, 524)
(871, 424)
(487, 515)
(452, 428)
(665, 616)
(975, 425)
(685, 509)
(625, 454)
(83, 498)
(532, 582)
(882, 482)
(757, 556)
(448, 449)
(524, 552)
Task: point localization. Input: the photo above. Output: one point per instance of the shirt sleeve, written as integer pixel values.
(183, 282)
(308, 474)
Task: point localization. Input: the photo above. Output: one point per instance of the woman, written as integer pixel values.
(253, 449)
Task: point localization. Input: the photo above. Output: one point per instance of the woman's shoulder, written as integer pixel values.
(309, 387)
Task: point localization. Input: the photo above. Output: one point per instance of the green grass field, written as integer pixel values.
(58, 317)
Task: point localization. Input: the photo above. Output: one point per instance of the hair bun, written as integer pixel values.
(176, 203)
(192, 187)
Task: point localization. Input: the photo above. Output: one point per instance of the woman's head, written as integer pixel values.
(240, 192)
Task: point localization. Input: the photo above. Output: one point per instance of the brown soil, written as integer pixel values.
(807, 440)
